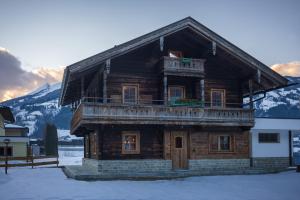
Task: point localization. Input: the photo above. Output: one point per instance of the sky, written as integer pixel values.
(39, 38)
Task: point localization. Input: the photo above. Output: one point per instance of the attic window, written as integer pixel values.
(175, 54)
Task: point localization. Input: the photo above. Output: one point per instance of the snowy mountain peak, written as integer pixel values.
(39, 107)
(45, 89)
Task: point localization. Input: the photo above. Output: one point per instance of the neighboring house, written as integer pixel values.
(5, 116)
(272, 141)
(17, 135)
(171, 99)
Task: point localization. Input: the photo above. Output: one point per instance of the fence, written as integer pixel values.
(29, 161)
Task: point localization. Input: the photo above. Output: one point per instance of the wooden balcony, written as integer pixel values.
(98, 113)
(183, 66)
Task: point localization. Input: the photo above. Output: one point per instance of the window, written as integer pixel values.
(175, 93)
(217, 98)
(268, 138)
(130, 94)
(175, 54)
(130, 142)
(9, 151)
(221, 143)
(178, 142)
(224, 143)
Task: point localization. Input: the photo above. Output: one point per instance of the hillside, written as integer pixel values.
(281, 103)
(41, 106)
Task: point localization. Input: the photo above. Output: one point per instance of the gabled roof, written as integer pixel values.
(188, 22)
(7, 114)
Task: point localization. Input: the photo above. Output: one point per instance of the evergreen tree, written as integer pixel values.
(51, 140)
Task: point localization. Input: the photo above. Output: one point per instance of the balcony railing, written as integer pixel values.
(112, 113)
(183, 66)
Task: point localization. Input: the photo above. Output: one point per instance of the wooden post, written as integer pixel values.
(82, 87)
(31, 157)
(104, 87)
(6, 158)
(202, 92)
(165, 90)
(57, 162)
(251, 93)
(290, 148)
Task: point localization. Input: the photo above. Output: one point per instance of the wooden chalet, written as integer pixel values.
(170, 99)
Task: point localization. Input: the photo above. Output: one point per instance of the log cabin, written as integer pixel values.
(170, 100)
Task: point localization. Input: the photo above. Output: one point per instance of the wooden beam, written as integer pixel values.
(165, 90)
(82, 87)
(214, 48)
(104, 86)
(251, 93)
(161, 43)
(202, 92)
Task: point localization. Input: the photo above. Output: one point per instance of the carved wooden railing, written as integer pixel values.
(159, 114)
(183, 66)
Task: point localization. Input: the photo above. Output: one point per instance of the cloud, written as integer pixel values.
(15, 81)
(288, 69)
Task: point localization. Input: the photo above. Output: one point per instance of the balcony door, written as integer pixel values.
(179, 149)
(175, 93)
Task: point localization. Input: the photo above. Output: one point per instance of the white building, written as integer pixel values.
(272, 141)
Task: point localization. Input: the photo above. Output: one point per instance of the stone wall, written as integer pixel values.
(270, 162)
(129, 166)
(218, 164)
(90, 164)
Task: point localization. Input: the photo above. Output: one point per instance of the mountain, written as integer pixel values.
(281, 103)
(41, 106)
(37, 108)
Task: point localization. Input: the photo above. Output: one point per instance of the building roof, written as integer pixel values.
(14, 126)
(7, 114)
(188, 22)
(277, 124)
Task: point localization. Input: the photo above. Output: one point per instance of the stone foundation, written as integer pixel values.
(160, 168)
(269, 162)
(123, 167)
(218, 164)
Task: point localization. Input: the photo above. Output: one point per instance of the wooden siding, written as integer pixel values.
(156, 143)
(151, 143)
(199, 144)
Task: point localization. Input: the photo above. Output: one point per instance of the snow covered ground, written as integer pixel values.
(51, 183)
(70, 155)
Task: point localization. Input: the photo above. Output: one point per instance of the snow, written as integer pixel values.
(51, 183)
(268, 103)
(70, 155)
(45, 89)
(36, 113)
(65, 135)
(13, 126)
